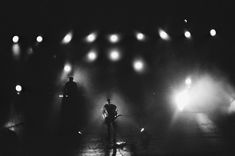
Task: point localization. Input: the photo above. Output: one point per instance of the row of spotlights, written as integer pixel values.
(138, 64)
(114, 38)
(15, 39)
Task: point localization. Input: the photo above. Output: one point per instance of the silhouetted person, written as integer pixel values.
(110, 114)
(70, 89)
(73, 111)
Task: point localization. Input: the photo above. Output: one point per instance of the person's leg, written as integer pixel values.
(114, 125)
(108, 132)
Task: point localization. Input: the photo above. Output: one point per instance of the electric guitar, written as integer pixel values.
(110, 118)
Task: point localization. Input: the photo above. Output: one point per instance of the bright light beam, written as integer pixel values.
(188, 82)
(206, 125)
(182, 99)
(16, 51)
(206, 94)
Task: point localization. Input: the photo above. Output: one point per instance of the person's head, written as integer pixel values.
(108, 100)
(70, 78)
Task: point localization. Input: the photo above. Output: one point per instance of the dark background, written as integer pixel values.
(167, 61)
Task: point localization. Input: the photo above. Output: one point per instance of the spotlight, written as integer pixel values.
(185, 21)
(114, 38)
(18, 88)
(142, 130)
(140, 36)
(39, 39)
(91, 56)
(15, 39)
(67, 38)
(187, 34)
(67, 68)
(138, 65)
(163, 35)
(212, 32)
(91, 37)
(114, 55)
(188, 82)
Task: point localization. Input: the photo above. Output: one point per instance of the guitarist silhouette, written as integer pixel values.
(110, 114)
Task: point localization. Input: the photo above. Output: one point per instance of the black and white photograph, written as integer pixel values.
(117, 78)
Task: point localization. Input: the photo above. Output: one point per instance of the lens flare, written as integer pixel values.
(206, 94)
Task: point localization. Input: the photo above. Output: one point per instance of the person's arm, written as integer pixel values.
(116, 111)
(104, 112)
